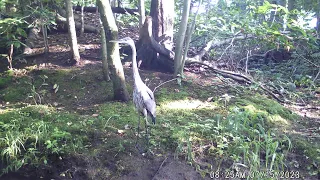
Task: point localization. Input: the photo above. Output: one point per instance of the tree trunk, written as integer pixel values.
(72, 34)
(162, 12)
(318, 20)
(157, 35)
(189, 32)
(44, 32)
(113, 3)
(82, 20)
(286, 16)
(142, 16)
(178, 64)
(104, 54)
(116, 70)
(262, 17)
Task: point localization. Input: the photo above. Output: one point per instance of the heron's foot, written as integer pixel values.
(141, 150)
(145, 144)
(145, 151)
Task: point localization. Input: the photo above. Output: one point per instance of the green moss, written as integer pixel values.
(12, 94)
(4, 81)
(117, 114)
(170, 94)
(271, 107)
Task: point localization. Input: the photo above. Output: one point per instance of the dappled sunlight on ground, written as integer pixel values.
(202, 79)
(189, 104)
(305, 111)
(277, 119)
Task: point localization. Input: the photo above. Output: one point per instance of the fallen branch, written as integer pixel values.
(241, 78)
(87, 28)
(228, 74)
(118, 10)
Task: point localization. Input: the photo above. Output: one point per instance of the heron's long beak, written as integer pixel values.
(114, 41)
(118, 41)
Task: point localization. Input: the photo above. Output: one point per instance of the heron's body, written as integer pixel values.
(144, 101)
(143, 97)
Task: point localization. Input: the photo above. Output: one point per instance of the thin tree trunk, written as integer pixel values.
(105, 68)
(178, 68)
(72, 33)
(82, 19)
(44, 32)
(142, 14)
(189, 35)
(262, 17)
(318, 20)
(114, 4)
(116, 70)
(285, 18)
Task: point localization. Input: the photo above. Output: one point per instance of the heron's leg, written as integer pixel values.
(138, 129)
(146, 126)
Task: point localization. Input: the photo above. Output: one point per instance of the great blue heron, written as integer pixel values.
(143, 97)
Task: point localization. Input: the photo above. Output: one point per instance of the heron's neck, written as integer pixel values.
(135, 70)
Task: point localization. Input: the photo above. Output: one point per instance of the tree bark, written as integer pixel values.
(72, 34)
(82, 20)
(104, 54)
(318, 20)
(162, 12)
(157, 35)
(116, 70)
(142, 16)
(189, 32)
(178, 64)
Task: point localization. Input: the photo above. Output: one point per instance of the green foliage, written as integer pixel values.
(303, 81)
(267, 107)
(241, 136)
(12, 30)
(30, 135)
(224, 19)
(4, 81)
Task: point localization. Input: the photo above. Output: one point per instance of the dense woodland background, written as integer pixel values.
(236, 84)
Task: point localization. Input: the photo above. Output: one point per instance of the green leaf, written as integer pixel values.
(56, 89)
(21, 32)
(55, 86)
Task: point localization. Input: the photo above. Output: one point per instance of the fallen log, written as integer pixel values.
(118, 10)
(87, 28)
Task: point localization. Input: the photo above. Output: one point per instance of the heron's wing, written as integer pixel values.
(150, 93)
(149, 102)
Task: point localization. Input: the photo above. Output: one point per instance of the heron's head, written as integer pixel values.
(126, 40)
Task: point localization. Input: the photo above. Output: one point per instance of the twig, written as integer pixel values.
(247, 62)
(314, 80)
(231, 43)
(308, 61)
(163, 84)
